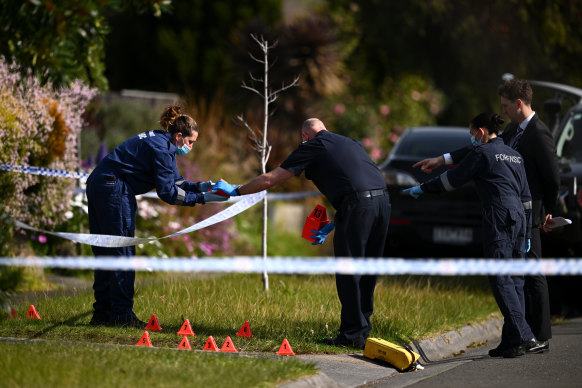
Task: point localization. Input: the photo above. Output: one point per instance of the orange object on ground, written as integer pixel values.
(186, 329)
(145, 340)
(211, 345)
(185, 344)
(315, 221)
(153, 324)
(31, 313)
(285, 349)
(228, 346)
(245, 331)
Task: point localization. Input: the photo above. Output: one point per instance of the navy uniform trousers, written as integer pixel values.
(112, 211)
(361, 227)
(508, 289)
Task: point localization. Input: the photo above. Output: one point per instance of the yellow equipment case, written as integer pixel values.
(399, 357)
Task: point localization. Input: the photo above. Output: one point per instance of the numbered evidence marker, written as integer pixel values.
(145, 340)
(153, 324)
(31, 313)
(245, 331)
(228, 346)
(315, 221)
(285, 349)
(185, 344)
(186, 329)
(211, 345)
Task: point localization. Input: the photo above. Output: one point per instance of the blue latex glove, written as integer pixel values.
(527, 245)
(213, 196)
(226, 187)
(320, 235)
(414, 191)
(206, 186)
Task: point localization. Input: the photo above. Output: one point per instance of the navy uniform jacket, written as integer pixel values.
(537, 147)
(500, 180)
(336, 164)
(148, 161)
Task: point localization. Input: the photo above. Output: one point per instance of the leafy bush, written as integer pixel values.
(39, 127)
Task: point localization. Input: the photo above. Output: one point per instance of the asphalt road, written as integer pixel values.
(560, 367)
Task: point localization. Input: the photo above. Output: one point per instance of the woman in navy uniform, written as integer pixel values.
(141, 163)
(501, 183)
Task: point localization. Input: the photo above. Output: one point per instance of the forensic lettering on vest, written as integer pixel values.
(507, 158)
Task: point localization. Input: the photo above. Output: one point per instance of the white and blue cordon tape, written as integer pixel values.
(310, 265)
(44, 171)
(281, 265)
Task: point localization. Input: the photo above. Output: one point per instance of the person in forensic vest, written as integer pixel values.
(136, 166)
(343, 172)
(501, 183)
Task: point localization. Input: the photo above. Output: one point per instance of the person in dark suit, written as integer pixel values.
(528, 135)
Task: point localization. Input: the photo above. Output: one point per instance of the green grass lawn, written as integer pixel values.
(49, 364)
(302, 309)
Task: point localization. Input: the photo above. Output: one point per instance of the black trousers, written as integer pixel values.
(361, 227)
(537, 297)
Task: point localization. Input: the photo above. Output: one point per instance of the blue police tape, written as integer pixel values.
(79, 175)
(313, 265)
(108, 241)
(44, 171)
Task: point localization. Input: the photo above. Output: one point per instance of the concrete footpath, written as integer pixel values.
(460, 359)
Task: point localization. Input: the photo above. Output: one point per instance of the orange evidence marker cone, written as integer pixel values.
(186, 329)
(211, 345)
(228, 346)
(184, 344)
(145, 340)
(31, 313)
(153, 324)
(245, 331)
(285, 349)
(12, 313)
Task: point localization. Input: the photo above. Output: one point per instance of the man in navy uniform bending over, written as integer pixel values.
(343, 172)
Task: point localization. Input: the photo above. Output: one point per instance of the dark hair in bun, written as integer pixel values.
(491, 121)
(174, 121)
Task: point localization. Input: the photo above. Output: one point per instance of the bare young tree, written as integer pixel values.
(259, 138)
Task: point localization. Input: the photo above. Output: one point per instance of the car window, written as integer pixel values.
(427, 144)
(569, 144)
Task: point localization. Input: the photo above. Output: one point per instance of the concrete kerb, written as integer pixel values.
(354, 370)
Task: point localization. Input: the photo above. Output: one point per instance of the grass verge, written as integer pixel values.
(303, 309)
(91, 365)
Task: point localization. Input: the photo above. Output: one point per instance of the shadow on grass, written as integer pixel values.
(69, 322)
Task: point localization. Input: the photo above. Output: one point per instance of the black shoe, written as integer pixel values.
(131, 322)
(99, 320)
(535, 346)
(514, 351)
(498, 351)
(342, 341)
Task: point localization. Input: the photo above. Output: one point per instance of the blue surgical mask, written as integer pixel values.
(183, 150)
(475, 142)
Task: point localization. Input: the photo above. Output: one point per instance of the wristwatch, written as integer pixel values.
(237, 191)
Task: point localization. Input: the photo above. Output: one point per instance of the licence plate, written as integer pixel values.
(452, 235)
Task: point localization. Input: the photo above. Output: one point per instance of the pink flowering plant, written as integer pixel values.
(157, 219)
(39, 126)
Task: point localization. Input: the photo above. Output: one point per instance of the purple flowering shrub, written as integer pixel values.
(39, 126)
